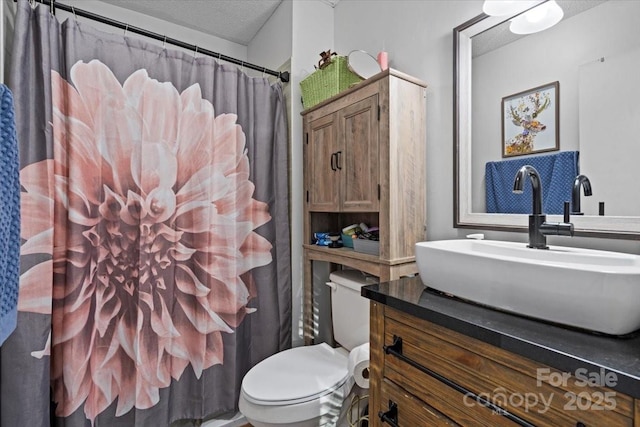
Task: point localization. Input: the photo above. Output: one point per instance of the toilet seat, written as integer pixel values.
(296, 376)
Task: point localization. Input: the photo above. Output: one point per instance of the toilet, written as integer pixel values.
(307, 386)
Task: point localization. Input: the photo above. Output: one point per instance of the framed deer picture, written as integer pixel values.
(530, 121)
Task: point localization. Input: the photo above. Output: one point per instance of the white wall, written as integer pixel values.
(610, 132)
(418, 38)
(609, 125)
(272, 45)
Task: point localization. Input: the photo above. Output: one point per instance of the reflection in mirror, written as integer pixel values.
(594, 55)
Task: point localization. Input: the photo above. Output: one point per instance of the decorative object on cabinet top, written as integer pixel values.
(332, 77)
(363, 64)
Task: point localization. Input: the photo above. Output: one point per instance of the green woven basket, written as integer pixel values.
(328, 81)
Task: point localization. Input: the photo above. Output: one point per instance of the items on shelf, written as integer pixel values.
(330, 239)
(364, 239)
(360, 232)
(321, 239)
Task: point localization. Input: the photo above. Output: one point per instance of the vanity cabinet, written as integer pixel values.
(426, 374)
(364, 161)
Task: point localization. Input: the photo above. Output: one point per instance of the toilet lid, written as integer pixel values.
(296, 375)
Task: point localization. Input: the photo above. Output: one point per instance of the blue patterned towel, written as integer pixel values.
(9, 216)
(557, 173)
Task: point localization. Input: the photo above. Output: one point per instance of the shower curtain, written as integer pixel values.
(155, 230)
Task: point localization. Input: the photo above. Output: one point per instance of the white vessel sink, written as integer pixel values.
(589, 289)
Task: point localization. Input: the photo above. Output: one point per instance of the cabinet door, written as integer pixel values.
(358, 160)
(321, 165)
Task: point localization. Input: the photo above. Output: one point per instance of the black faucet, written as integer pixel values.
(581, 180)
(539, 228)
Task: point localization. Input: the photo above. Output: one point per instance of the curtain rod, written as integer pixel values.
(282, 75)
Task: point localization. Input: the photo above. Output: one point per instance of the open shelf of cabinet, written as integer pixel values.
(371, 264)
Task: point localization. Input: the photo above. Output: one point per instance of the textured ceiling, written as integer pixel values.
(234, 20)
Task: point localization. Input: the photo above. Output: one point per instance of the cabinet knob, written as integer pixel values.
(391, 416)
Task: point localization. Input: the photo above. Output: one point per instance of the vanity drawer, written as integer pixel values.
(506, 380)
(463, 411)
(404, 410)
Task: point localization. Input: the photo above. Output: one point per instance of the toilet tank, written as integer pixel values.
(349, 310)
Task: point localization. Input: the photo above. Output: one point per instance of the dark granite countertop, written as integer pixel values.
(562, 348)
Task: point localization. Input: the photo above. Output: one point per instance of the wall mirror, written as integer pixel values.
(594, 56)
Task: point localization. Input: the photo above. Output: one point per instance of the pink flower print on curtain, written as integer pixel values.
(153, 237)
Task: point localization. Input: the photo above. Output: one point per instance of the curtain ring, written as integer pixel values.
(195, 53)
(164, 42)
(242, 66)
(126, 28)
(73, 9)
(264, 70)
(219, 56)
(52, 8)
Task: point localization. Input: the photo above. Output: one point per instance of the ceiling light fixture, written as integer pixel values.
(537, 19)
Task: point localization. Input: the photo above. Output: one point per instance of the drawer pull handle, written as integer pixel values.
(334, 160)
(395, 349)
(391, 416)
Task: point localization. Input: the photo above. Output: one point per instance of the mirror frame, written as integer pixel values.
(613, 227)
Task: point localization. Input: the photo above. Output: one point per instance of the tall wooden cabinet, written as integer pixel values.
(364, 161)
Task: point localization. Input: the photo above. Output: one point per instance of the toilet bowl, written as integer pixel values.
(303, 386)
(307, 386)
